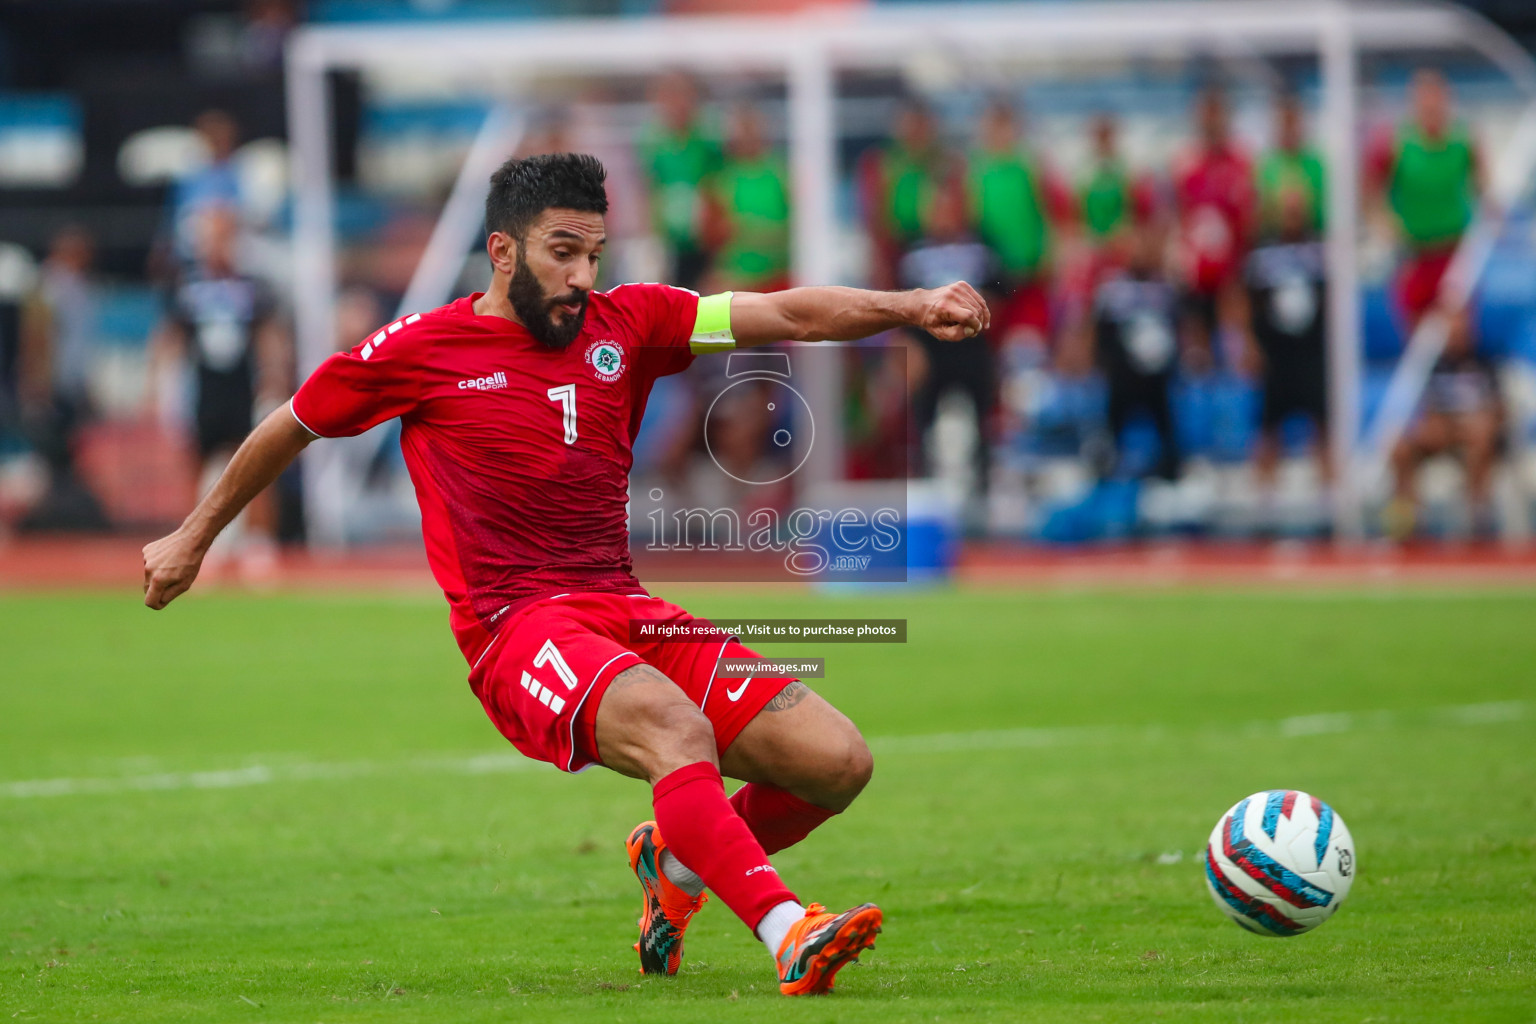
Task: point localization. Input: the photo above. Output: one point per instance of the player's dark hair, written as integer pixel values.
(521, 189)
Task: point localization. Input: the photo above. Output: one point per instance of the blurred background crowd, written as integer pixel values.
(1148, 233)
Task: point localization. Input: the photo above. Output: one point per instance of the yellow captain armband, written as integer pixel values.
(712, 325)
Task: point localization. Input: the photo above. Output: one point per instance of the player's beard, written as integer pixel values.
(534, 310)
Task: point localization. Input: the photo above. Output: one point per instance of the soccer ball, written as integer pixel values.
(1280, 862)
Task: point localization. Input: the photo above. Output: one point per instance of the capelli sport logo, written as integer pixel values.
(606, 359)
(491, 383)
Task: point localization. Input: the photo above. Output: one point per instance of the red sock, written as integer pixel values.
(706, 834)
(777, 817)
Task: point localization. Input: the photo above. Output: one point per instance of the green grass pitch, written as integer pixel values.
(291, 809)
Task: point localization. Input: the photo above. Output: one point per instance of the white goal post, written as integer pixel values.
(807, 51)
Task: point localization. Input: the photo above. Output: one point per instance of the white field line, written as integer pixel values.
(931, 743)
(261, 774)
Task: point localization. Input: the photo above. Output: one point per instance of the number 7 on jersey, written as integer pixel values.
(565, 394)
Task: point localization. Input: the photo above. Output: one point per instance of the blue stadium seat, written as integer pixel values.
(406, 10)
(1215, 416)
(41, 141)
(125, 315)
(473, 10)
(460, 117)
(1507, 291)
(1382, 335)
(1108, 512)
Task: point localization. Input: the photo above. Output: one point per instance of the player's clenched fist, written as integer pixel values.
(954, 312)
(170, 565)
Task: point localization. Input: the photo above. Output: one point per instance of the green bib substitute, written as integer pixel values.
(1105, 198)
(1280, 172)
(1432, 186)
(1010, 214)
(909, 185)
(755, 197)
(678, 166)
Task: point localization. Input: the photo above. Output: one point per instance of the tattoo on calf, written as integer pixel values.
(788, 697)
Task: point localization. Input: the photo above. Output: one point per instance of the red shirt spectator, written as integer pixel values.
(1214, 191)
(1213, 187)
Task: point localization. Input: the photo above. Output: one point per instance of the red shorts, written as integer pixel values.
(1418, 281)
(1027, 307)
(543, 676)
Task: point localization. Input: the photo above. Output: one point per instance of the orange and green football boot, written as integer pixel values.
(819, 944)
(666, 909)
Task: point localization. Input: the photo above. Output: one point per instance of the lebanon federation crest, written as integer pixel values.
(606, 359)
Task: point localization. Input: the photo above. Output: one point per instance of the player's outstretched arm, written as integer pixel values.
(951, 313)
(171, 563)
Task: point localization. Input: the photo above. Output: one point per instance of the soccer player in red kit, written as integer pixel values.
(518, 408)
(1215, 198)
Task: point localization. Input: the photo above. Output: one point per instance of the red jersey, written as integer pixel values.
(520, 453)
(1215, 195)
